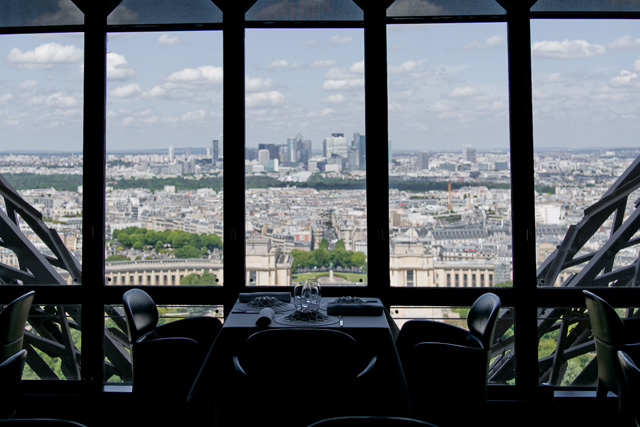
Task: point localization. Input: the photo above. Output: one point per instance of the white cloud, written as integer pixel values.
(262, 99)
(464, 92)
(167, 40)
(636, 65)
(343, 79)
(406, 67)
(566, 49)
(337, 40)
(323, 63)
(279, 63)
(493, 41)
(118, 69)
(624, 78)
(45, 56)
(625, 42)
(6, 97)
(203, 74)
(194, 116)
(336, 99)
(326, 112)
(127, 91)
(256, 84)
(59, 99)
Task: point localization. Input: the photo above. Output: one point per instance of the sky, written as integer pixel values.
(447, 86)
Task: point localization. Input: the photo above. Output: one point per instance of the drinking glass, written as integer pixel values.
(311, 295)
(297, 295)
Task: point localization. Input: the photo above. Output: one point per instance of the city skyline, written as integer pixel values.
(447, 87)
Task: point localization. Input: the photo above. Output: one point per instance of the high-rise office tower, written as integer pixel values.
(215, 150)
(336, 144)
(422, 160)
(468, 153)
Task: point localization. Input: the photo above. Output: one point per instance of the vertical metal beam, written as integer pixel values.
(377, 134)
(234, 143)
(94, 181)
(522, 192)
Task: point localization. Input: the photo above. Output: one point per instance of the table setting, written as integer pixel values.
(304, 307)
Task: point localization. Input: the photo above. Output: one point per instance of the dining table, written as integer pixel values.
(219, 395)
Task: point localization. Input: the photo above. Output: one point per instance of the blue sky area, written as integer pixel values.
(447, 86)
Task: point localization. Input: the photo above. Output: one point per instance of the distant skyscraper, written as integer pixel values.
(263, 156)
(359, 145)
(171, 153)
(468, 153)
(215, 150)
(336, 144)
(422, 160)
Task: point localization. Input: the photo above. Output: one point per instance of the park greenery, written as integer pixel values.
(182, 243)
(322, 257)
(65, 182)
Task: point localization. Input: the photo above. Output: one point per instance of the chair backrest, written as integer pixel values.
(13, 319)
(631, 374)
(370, 421)
(35, 422)
(605, 322)
(326, 354)
(482, 318)
(10, 379)
(141, 313)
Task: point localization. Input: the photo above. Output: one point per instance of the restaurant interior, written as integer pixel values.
(242, 367)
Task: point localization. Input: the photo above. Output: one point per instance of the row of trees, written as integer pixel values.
(184, 244)
(323, 257)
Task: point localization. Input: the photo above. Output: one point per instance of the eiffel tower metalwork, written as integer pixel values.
(594, 269)
(51, 328)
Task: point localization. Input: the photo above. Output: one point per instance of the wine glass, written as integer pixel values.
(311, 295)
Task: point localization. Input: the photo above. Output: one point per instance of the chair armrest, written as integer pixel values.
(431, 331)
(195, 328)
(238, 367)
(368, 368)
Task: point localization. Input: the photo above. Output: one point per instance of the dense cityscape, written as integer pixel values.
(449, 210)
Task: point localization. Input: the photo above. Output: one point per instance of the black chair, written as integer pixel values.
(13, 319)
(37, 422)
(296, 376)
(444, 363)
(630, 398)
(370, 421)
(165, 358)
(611, 334)
(10, 380)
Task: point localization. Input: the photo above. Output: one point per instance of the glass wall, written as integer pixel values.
(164, 159)
(585, 118)
(306, 157)
(449, 180)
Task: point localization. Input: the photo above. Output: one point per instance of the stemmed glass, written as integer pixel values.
(311, 295)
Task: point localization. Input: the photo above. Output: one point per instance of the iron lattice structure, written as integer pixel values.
(588, 269)
(53, 329)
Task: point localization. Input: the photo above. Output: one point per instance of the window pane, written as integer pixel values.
(449, 173)
(164, 159)
(53, 343)
(585, 108)
(411, 8)
(566, 352)
(302, 10)
(148, 12)
(502, 366)
(305, 163)
(38, 13)
(41, 158)
(117, 350)
(586, 6)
